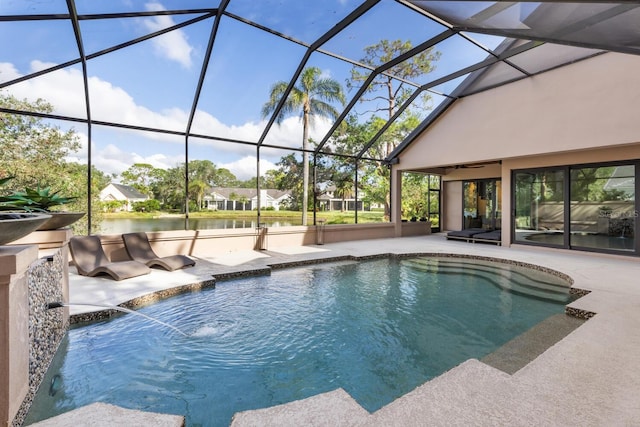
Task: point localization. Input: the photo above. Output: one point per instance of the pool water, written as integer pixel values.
(378, 329)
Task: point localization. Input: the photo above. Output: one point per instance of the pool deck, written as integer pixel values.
(590, 377)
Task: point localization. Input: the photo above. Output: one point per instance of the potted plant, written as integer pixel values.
(15, 223)
(41, 200)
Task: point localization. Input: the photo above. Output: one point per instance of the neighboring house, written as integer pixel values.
(329, 201)
(238, 199)
(123, 193)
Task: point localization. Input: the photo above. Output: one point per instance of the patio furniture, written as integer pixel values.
(91, 260)
(139, 249)
(475, 235)
(493, 236)
(465, 234)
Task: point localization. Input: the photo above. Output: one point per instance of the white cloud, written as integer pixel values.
(172, 45)
(8, 72)
(112, 159)
(245, 167)
(64, 90)
(287, 134)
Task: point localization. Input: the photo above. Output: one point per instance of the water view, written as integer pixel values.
(129, 225)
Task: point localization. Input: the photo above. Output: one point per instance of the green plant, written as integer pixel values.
(151, 205)
(38, 199)
(9, 203)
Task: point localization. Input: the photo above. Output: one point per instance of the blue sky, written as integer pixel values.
(152, 83)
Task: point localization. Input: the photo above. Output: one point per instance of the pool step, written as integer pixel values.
(500, 276)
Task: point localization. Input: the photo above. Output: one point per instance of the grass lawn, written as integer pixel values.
(332, 217)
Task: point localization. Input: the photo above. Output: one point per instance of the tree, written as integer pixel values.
(373, 176)
(37, 152)
(169, 189)
(268, 180)
(202, 170)
(224, 178)
(140, 176)
(33, 150)
(391, 88)
(311, 97)
(243, 201)
(343, 190)
(150, 205)
(289, 178)
(415, 188)
(168, 186)
(197, 188)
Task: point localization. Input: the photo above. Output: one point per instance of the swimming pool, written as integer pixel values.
(376, 328)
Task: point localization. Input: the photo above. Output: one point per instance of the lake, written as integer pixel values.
(129, 225)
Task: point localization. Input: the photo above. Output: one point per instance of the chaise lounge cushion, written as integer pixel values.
(139, 249)
(489, 235)
(90, 260)
(466, 233)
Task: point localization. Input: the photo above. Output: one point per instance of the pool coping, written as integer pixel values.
(584, 378)
(157, 295)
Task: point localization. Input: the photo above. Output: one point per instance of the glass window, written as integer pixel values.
(282, 177)
(603, 207)
(481, 204)
(231, 106)
(415, 196)
(303, 20)
(470, 204)
(373, 188)
(539, 206)
(548, 56)
(335, 186)
(421, 198)
(434, 201)
(145, 174)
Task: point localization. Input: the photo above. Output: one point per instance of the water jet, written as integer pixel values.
(59, 304)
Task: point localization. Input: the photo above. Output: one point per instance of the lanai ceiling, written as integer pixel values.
(227, 54)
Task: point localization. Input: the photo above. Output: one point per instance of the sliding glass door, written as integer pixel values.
(539, 206)
(603, 207)
(588, 207)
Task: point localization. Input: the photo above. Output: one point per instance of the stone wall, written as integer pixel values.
(47, 327)
(30, 332)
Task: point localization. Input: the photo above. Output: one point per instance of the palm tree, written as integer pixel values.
(197, 188)
(311, 97)
(343, 189)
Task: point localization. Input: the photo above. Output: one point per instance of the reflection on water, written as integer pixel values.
(128, 225)
(580, 240)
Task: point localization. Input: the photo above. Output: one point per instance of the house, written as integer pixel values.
(123, 193)
(329, 201)
(552, 160)
(239, 199)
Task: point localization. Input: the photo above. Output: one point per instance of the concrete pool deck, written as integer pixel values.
(590, 377)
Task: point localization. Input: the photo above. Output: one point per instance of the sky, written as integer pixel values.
(152, 83)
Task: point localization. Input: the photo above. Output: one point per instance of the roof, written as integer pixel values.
(129, 192)
(249, 193)
(482, 45)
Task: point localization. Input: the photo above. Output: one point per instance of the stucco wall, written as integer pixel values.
(214, 242)
(592, 103)
(582, 113)
(452, 205)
